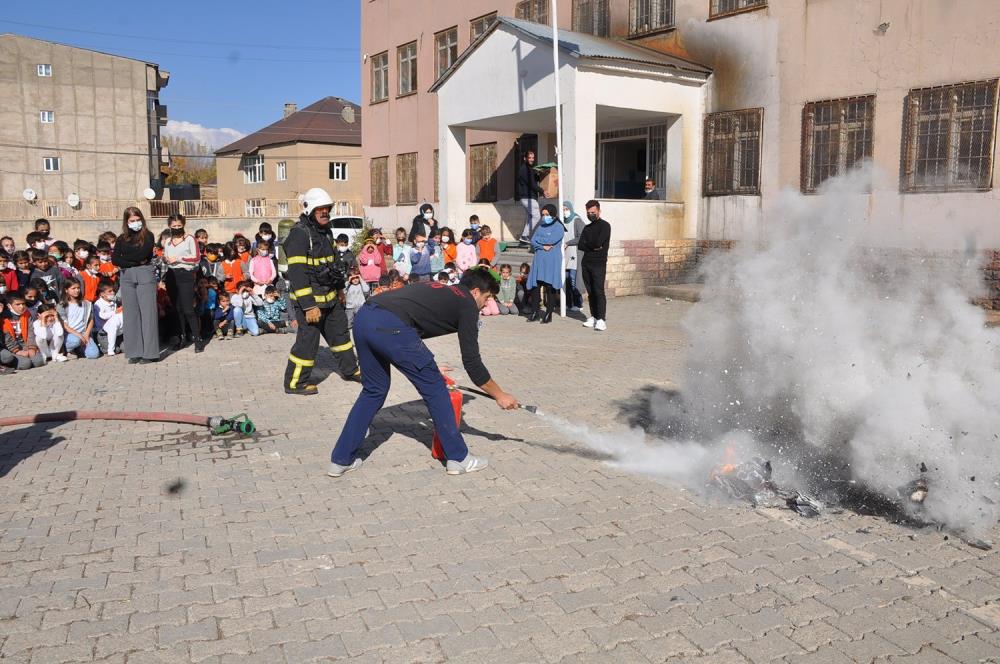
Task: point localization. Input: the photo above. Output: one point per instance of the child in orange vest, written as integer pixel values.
(90, 275)
(488, 246)
(233, 268)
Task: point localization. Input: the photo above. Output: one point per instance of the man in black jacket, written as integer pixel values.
(594, 243)
(389, 330)
(527, 194)
(316, 290)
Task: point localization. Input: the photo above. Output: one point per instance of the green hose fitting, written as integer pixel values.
(240, 424)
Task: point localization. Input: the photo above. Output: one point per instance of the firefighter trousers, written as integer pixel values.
(332, 326)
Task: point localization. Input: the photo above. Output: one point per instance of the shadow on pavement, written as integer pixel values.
(16, 445)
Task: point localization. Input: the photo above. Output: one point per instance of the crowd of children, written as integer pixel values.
(58, 301)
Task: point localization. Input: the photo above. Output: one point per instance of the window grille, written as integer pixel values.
(53, 210)
(647, 16)
(446, 44)
(380, 77)
(732, 153)
(51, 164)
(338, 171)
(282, 208)
(437, 176)
(406, 178)
(536, 11)
(948, 136)
(282, 171)
(254, 207)
(380, 181)
(720, 8)
(608, 160)
(592, 16)
(483, 173)
(253, 168)
(480, 25)
(836, 137)
(407, 55)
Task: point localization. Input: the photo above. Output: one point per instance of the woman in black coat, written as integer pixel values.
(424, 223)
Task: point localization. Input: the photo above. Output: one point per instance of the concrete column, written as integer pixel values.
(452, 164)
(579, 151)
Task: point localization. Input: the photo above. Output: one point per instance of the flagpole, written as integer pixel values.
(559, 165)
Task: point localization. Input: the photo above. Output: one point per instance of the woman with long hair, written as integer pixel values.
(181, 258)
(133, 255)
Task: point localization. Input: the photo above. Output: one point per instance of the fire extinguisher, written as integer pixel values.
(456, 405)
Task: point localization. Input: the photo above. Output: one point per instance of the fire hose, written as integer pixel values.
(239, 424)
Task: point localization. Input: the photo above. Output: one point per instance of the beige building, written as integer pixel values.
(76, 126)
(318, 146)
(762, 95)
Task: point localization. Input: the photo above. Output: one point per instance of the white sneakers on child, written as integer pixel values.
(59, 357)
(590, 322)
(600, 326)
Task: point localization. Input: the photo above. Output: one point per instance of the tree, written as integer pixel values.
(190, 162)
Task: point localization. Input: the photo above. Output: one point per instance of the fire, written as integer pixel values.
(728, 466)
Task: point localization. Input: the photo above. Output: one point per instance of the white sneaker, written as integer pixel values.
(59, 357)
(336, 470)
(590, 322)
(111, 352)
(600, 326)
(469, 465)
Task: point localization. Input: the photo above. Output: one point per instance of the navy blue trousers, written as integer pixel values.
(382, 340)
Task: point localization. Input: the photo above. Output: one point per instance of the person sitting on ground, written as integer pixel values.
(356, 293)
(108, 316)
(443, 277)
(261, 270)
(244, 315)
(224, 317)
(465, 253)
(77, 316)
(270, 316)
(453, 275)
(420, 260)
(488, 246)
(508, 291)
(33, 297)
(19, 348)
(401, 254)
(491, 308)
(370, 260)
(49, 333)
(521, 297)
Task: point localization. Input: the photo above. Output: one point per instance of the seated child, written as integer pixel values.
(77, 317)
(108, 315)
(508, 291)
(244, 315)
(270, 316)
(49, 333)
(521, 297)
(224, 322)
(465, 254)
(443, 277)
(19, 349)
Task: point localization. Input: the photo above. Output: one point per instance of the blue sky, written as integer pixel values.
(232, 64)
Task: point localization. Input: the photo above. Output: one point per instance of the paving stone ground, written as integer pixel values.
(549, 555)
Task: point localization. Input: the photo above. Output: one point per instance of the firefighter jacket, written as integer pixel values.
(309, 251)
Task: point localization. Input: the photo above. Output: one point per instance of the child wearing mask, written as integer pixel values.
(370, 262)
(401, 254)
(35, 240)
(449, 250)
(19, 349)
(233, 269)
(108, 269)
(261, 269)
(270, 316)
(49, 334)
(82, 250)
(437, 256)
(201, 237)
(77, 317)
(384, 245)
(475, 227)
(508, 291)
(211, 262)
(264, 234)
(91, 278)
(242, 246)
(107, 237)
(244, 315)
(33, 298)
(224, 317)
(357, 294)
(465, 254)
(46, 271)
(108, 316)
(345, 257)
(488, 246)
(420, 259)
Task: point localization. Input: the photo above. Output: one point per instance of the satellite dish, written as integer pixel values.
(29, 194)
(148, 194)
(73, 200)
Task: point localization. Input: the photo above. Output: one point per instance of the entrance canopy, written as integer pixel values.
(628, 112)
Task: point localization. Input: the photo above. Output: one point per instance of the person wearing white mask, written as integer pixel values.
(574, 229)
(133, 255)
(423, 224)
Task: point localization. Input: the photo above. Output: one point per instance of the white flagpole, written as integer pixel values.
(559, 165)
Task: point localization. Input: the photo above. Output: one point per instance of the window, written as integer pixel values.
(407, 55)
(480, 25)
(536, 11)
(338, 171)
(254, 207)
(591, 16)
(626, 157)
(282, 174)
(51, 164)
(647, 16)
(836, 136)
(380, 77)
(380, 181)
(446, 45)
(282, 208)
(720, 8)
(45, 70)
(52, 210)
(47, 117)
(483, 173)
(406, 178)
(253, 168)
(732, 153)
(437, 176)
(948, 135)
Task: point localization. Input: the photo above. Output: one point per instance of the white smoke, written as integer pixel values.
(845, 359)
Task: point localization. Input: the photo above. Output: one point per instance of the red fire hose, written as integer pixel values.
(219, 425)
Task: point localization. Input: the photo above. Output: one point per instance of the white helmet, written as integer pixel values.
(315, 198)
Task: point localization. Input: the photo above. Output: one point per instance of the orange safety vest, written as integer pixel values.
(90, 283)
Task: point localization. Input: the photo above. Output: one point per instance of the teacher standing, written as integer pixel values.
(181, 257)
(133, 255)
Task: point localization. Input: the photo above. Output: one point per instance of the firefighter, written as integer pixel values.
(316, 289)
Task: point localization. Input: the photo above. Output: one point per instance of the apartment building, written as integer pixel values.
(317, 146)
(78, 128)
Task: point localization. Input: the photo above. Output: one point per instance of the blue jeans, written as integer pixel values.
(576, 299)
(248, 323)
(382, 340)
(90, 351)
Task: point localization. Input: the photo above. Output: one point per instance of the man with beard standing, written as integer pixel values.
(316, 289)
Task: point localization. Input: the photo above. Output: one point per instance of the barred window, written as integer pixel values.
(536, 11)
(720, 8)
(446, 44)
(592, 16)
(254, 207)
(647, 16)
(380, 181)
(252, 166)
(437, 176)
(483, 173)
(407, 55)
(480, 25)
(732, 153)
(380, 77)
(406, 178)
(948, 135)
(836, 137)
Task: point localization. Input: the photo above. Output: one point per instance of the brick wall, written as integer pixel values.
(634, 265)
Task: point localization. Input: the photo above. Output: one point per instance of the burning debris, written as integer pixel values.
(752, 482)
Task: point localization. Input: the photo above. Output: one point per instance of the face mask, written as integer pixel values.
(428, 215)
(104, 258)
(177, 232)
(566, 214)
(266, 236)
(446, 239)
(467, 240)
(592, 216)
(29, 303)
(262, 254)
(242, 250)
(135, 226)
(342, 250)
(212, 257)
(92, 270)
(420, 245)
(40, 246)
(387, 241)
(83, 254)
(473, 226)
(546, 219)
